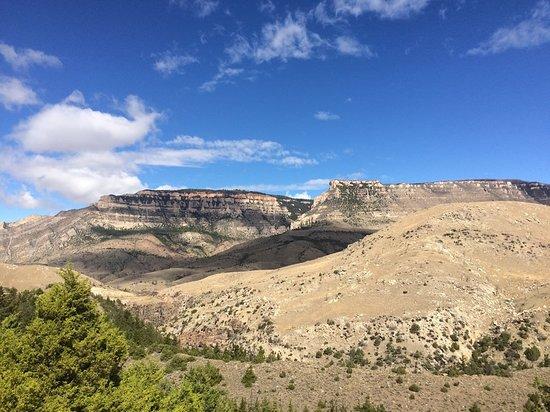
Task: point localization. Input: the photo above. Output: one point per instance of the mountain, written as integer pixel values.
(148, 230)
(371, 205)
(422, 290)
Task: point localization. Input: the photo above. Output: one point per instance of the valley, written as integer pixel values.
(368, 295)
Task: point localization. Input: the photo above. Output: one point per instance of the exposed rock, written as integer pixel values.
(148, 230)
(371, 205)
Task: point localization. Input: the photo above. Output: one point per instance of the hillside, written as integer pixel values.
(372, 205)
(437, 279)
(147, 231)
(270, 252)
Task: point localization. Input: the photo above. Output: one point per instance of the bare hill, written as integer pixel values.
(437, 279)
(271, 252)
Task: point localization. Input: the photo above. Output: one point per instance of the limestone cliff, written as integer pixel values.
(147, 230)
(369, 204)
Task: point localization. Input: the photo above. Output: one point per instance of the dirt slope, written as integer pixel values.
(453, 270)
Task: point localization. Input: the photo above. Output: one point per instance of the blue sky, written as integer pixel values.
(280, 97)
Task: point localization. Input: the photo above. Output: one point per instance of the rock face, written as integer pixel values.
(372, 205)
(147, 230)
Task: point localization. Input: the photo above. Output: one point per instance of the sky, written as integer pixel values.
(272, 96)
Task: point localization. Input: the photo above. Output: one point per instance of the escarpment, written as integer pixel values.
(371, 205)
(148, 230)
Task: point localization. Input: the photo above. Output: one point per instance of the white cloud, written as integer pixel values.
(267, 6)
(23, 199)
(170, 187)
(282, 40)
(389, 9)
(296, 161)
(82, 153)
(71, 176)
(187, 140)
(223, 76)
(286, 40)
(323, 16)
(169, 63)
(326, 116)
(531, 32)
(24, 58)
(15, 93)
(300, 195)
(351, 46)
(65, 127)
(201, 8)
(198, 150)
(76, 97)
(312, 184)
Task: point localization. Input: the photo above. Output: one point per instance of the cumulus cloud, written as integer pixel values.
(326, 116)
(81, 153)
(25, 58)
(388, 9)
(23, 199)
(66, 127)
(200, 8)
(351, 46)
(531, 32)
(15, 93)
(169, 62)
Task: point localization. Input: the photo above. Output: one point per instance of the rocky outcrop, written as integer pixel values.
(372, 205)
(236, 214)
(147, 230)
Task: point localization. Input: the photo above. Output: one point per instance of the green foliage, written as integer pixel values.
(141, 335)
(249, 378)
(415, 328)
(60, 352)
(532, 353)
(414, 388)
(232, 353)
(166, 234)
(539, 401)
(177, 363)
(68, 355)
(144, 388)
(474, 408)
(367, 406)
(19, 306)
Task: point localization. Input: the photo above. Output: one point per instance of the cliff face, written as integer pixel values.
(147, 230)
(372, 205)
(235, 214)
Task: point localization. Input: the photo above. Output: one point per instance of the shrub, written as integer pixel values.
(474, 408)
(367, 406)
(539, 400)
(414, 388)
(415, 328)
(177, 363)
(532, 354)
(291, 385)
(249, 378)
